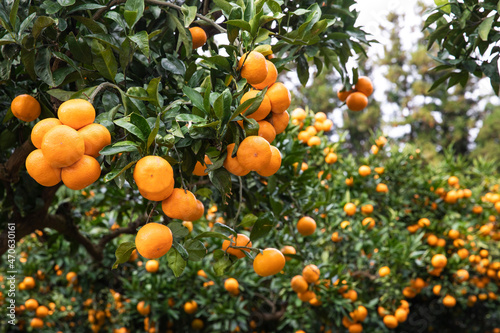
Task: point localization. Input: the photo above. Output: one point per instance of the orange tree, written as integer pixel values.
(394, 243)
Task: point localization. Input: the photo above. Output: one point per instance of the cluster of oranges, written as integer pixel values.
(309, 135)
(67, 146)
(399, 316)
(301, 284)
(356, 99)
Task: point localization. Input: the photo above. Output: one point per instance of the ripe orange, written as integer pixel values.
(436, 289)
(231, 285)
(331, 158)
(381, 188)
(36, 323)
(96, 137)
(280, 97)
(439, 261)
(360, 313)
(81, 174)
(287, 249)
(424, 222)
(349, 181)
(306, 226)
(182, 205)
(272, 75)
(198, 36)
(190, 307)
(299, 284)
(266, 130)
(232, 165)
(449, 301)
(342, 95)
(42, 127)
(379, 170)
(432, 240)
(453, 234)
(367, 209)
(356, 328)
(152, 266)
(25, 108)
(254, 153)
(453, 180)
(29, 282)
(253, 67)
(31, 304)
(299, 114)
(143, 309)
(477, 209)
(350, 209)
(270, 262)
(197, 324)
(320, 116)
(62, 146)
(154, 178)
(311, 273)
(462, 275)
(384, 271)
(364, 170)
(42, 311)
(280, 121)
(40, 170)
(335, 237)
(199, 168)
(314, 141)
(153, 240)
(72, 278)
(368, 221)
(356, 101)
(390, 321)
(264, 108)
(401, 315)
(76, 113)
(364, 85)
(241, 240)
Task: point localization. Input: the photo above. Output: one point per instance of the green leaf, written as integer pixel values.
(104, 60)
(186, 117)
(242, 24)
(178, 230)
(66, 3)
(153, 91)
(219, 62)
(184, 37)
(224, 227)
(221, 179)
(211, 234)
(123, 252)
(154, 132)
(221, 265)
(302, 70)
(42, 66)
(224, 5)
(195, 97)
(444, 5)
(87, 6)
(120, 147)
(196, 249)
(28, 60)
(117, 172)
(189, 14)
(126, 124)
(261, 228)
(141, 39)
(41, 23)
(175, 262)
(141, 123)
(93, 26)
(126, 53)
(248, 220)
(60, 94)
(485, 27)
(182, 251)
(173, 65)
(133, 11)
(13, 13)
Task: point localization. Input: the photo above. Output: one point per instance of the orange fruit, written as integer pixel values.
(153, 240)
(29, 282)
(356, 101)
(181, 204)
(198, 36)
(81, 174)
(349, 181)
(25, 108)
(311, 273)
(401, 315)
(287, 249)
(368, 221)
(350, 209)
(453, 234)
(355, 328)
(272, 75)
(197, 324)
(280, 121)
(274, 164)
(364, 85)
(299, 284)
(241, 240)
(360, 313)
(199, 168)
(381, 188)
(143, 309)
(42, 311)
(462, 275)
(331, 158)
(436, 289)
(335, 237)
(190, 307)
(432, 240)
(306, 226)
(390, 321)
(367, 209)
(280, 97)
(327, 125)
(299, 114)
(232, 165)
(96, 137)
(62, 146)
(254, 153)
(42, 127)
(384, 271)
(36, 323)
(270, 262)
(477, 209)
(314, 141)
(253, 67)
(264, 108)
(453, 180)
(40, 170)
(449, 301)
(266, 130)
(424, 222)
(31, 304)
(72, 277)
(379, 170)
(439, 261)
(76, 113)
(364, 170)
(154, 178)
(231, 285)
(342, 95)
(152, 266)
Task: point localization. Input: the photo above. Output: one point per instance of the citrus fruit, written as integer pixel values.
(40, 170)
(439, 261)
(266, 130)
(311, 273)
(254, 153)
(190, 307)
(143, 309)
(279, 96)
(232, 165)
(96, 137)
(299, 284)
(274, 164)
(31, 304)
(62, 146)
(153, 240)
(356, 101)
(263, 109)
(270, 262)
(306, 226)
(287, 249)
(152, 266)
(280, 121)
(253, 67)
(181, 204)
(199, 168)
(42, 127)
(241, 240)
(364, 85)
(76, 113)
(82, 173)
(272, 75)
(198, 36)
(231, 285)
(25, 108)
(154, 178)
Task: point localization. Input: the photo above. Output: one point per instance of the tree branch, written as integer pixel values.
(130, 229)
(10, 169)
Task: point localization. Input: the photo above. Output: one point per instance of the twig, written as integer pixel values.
(241, 200)
(180, 169)
(100, 87)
